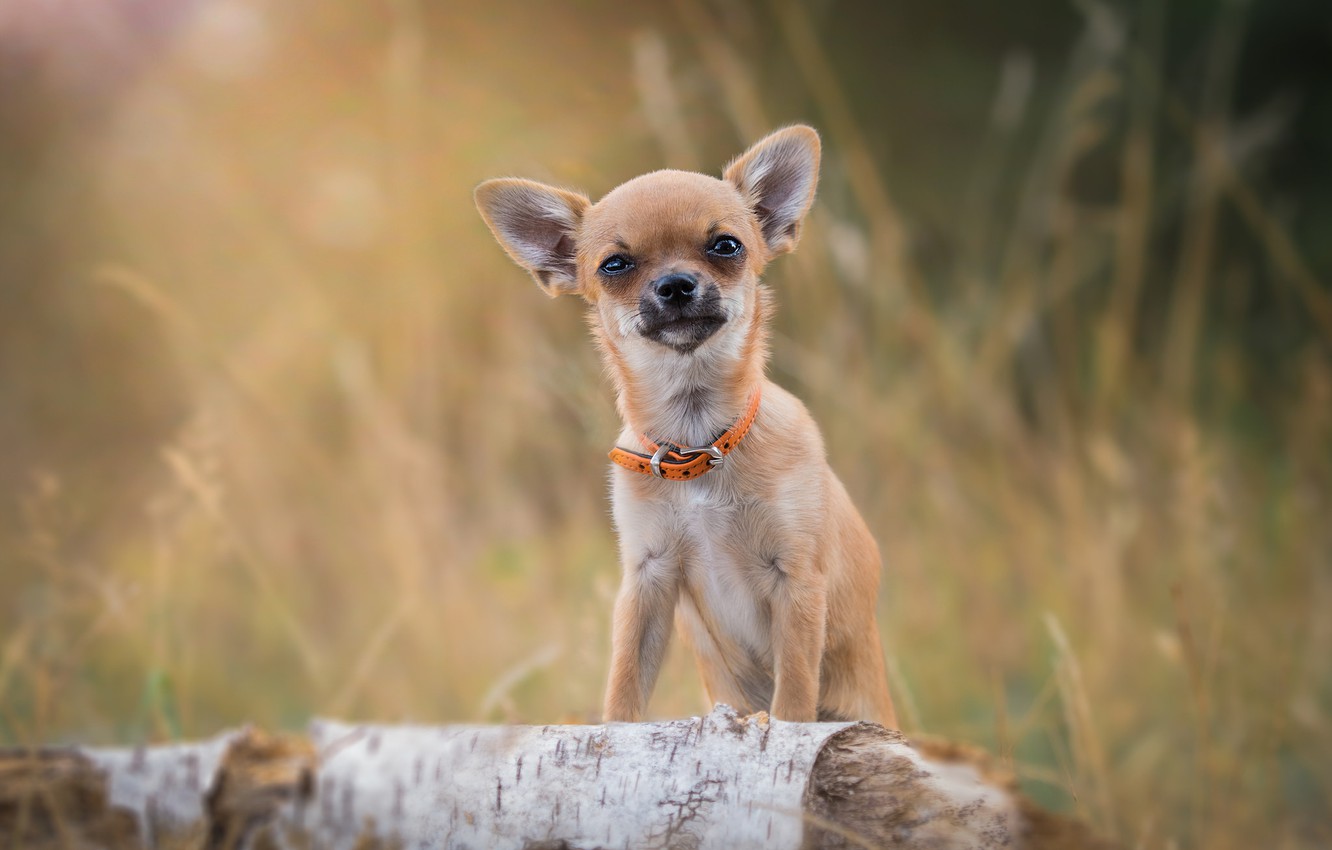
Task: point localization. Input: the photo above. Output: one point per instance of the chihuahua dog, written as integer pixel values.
(729, 517)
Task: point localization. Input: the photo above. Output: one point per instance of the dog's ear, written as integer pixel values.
(537, 225)
(778, 176)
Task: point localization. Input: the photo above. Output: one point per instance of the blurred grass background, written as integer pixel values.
(283, 432)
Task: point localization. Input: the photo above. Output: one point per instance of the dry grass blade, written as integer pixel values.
(261, 574)
(890, 238)
(364, 668)
(1198, 250)
(1088, 751)
(661, 105)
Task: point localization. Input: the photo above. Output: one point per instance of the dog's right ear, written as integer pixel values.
(537, 226)
(777, 176)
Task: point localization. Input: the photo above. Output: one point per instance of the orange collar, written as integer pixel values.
(680, 463)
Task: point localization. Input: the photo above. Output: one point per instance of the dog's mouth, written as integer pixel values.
(682, 323)
(684, 333)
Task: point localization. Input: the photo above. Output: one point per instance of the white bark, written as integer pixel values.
(718, 781)
(709, 782)
(164, 785)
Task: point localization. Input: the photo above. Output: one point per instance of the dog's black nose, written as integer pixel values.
(676, 288)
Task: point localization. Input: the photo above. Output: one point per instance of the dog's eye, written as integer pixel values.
(615, 264)
(725, 246)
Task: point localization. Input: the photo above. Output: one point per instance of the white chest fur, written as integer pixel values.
(701, 536)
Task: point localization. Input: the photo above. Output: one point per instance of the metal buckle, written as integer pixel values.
(717, 458)
(714, 453)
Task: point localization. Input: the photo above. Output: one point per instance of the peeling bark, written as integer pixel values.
(719, 781)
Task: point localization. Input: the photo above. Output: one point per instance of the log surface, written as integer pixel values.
(717, 781)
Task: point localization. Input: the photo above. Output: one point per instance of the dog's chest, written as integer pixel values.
(724, 544)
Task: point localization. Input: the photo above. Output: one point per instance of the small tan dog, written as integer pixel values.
(749, 539)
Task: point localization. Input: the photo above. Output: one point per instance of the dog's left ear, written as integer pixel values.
(778, 176)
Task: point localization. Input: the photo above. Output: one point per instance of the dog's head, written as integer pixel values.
(671, 258)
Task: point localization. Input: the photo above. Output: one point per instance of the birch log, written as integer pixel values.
(718, 781)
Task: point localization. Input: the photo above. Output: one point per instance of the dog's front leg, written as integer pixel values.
(639, 634)
(799, 616)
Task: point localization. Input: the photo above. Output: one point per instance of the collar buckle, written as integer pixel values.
(716, 458)
(714, 453)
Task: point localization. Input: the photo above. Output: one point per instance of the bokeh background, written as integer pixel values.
(283, 432)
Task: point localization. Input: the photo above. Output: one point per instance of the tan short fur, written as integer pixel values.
(765, 565)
